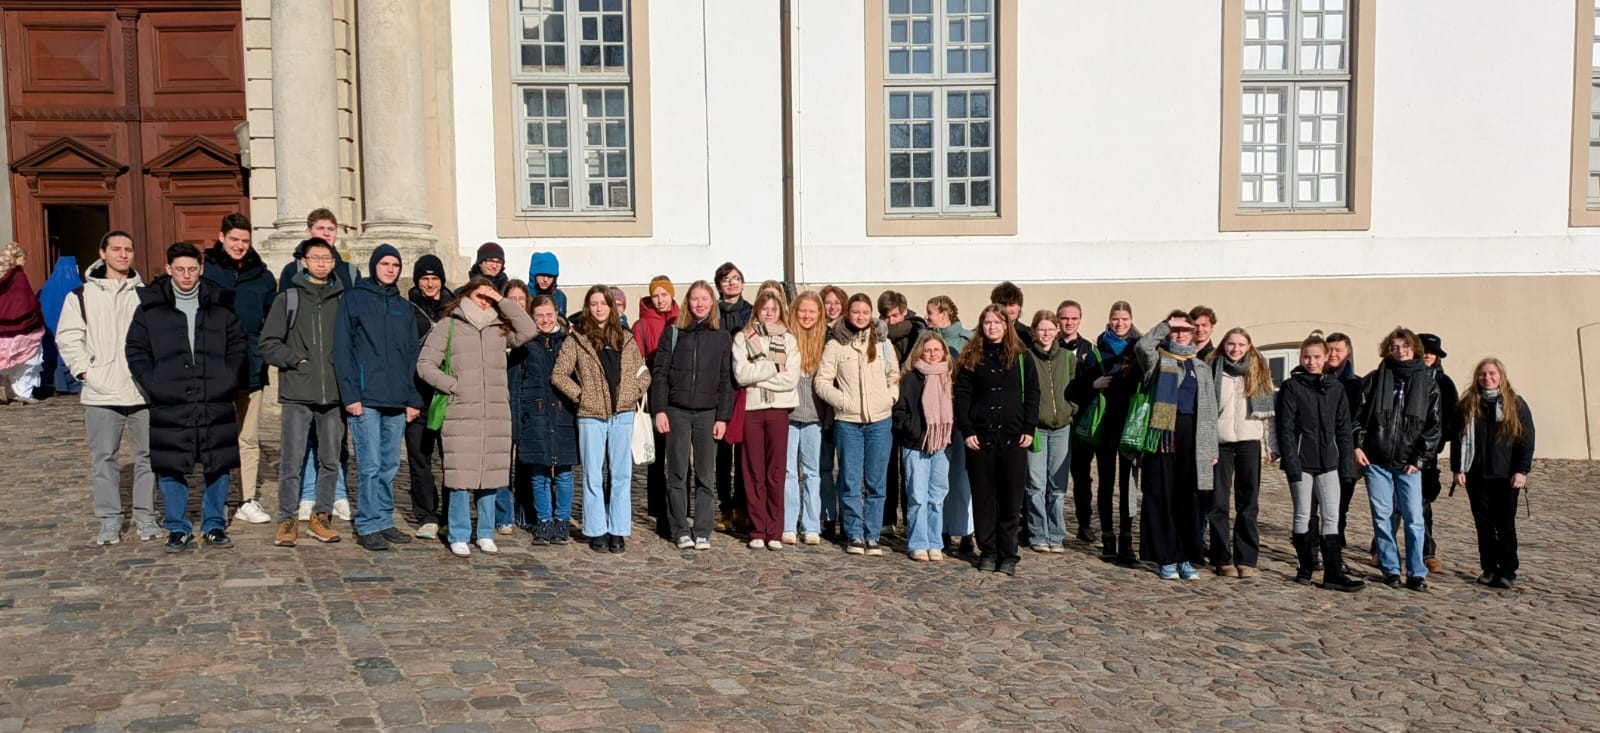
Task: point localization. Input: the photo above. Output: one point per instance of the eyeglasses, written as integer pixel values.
(731, 279)
(318, 258)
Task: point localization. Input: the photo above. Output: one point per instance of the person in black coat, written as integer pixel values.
(691, 393)
(1492, 456)
(544, 424)
(186, 351)
(733, 313)
(1397, 427)
(430, 295)
(247, 286)
(1112, 374)
(996, 410)
(905, 327)
(1433, 355)
(1316, 440)
(1342, 367)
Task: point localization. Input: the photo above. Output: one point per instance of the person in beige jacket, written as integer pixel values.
(92, 337)
(766, 363)
(472, 335)
(859, 377)
(600, 368)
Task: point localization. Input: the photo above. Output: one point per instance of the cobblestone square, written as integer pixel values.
(332, 637)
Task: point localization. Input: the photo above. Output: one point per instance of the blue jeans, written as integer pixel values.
(308, 475)
(958, 503)
(1048, 470)
(558, 478)
(829, 490)
(602, 442)
(802, 498)
(461, 501)
(213, 503)
(863, 470)
(927, 483)
(505, 507)
(1388, 490)
(377, 434)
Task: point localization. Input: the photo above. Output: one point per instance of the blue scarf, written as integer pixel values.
(1116, 343)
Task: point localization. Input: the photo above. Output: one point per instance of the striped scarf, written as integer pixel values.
(1170, 373)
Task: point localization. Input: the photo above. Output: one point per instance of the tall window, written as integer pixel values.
(1294, 109)
(940, 93)
(571, 68)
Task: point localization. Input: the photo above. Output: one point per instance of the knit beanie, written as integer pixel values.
(661, 281)
(490, 251)
(427, 265)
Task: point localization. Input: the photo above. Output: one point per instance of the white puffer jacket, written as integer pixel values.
(766, 388)
(92, 337)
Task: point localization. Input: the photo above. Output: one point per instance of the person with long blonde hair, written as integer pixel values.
(766, 366)
(924, 423)
(691, 394)
(810, 420)
(858, 376)
(1491, 458)
(1245, 432)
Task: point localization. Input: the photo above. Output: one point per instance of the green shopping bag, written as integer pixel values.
(1136, 434)
(1086, 427)
(441, 399)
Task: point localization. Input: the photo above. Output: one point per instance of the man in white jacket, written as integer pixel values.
(92, 335)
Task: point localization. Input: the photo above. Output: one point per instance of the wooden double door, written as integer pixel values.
(122, 116)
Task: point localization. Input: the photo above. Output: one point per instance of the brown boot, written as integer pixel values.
(288, 532)
(319, 529)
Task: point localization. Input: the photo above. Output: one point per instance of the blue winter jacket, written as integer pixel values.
(248, 288)
(544, 423)
(375, 344)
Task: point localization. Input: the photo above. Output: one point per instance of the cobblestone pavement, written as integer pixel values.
(336, 638)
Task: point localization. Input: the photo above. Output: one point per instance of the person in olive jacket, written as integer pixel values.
(300, 345)
(375, 347)
(1316, 440)
(248, 287)
(186, 351)
(997, 410)
(691, 393)
(1398, 426)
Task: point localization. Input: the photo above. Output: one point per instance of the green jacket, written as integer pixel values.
(1056, 369)
(303, 351)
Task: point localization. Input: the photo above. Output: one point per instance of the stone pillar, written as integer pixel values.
(305, 122)
(394, 171)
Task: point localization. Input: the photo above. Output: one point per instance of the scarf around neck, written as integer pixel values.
(1260, 406)
(1171, 371)
(1401, 380)
(1114, 342)
(771, 343)
(1469, 437)
(937, 408)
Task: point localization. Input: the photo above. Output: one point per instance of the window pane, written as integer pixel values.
(922, 165)
(923, 191)
(899, 106)
(922, 106)
(921, 61)
(958, 194)
(956, 61)
(981, 194)
(956, 165)
(900, 195)
(957, 106)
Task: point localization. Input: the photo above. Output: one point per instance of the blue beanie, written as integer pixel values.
(544, 263)
(378, 253)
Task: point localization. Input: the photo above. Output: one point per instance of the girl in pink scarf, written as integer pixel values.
(924, 418)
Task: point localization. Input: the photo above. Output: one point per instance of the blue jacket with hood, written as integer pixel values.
(375, 345)
(545, 263)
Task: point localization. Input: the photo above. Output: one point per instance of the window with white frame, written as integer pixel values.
(573, 85)
(1594, 116)
(1295, 105)
(940, 93)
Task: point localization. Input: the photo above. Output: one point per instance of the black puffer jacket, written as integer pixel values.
(910, 423)
(1314, 426)
(191, 393)
(1383, 431)
(694, 370)
(996, 402)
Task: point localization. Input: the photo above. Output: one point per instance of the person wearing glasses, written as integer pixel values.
(733, 312)
(1399, 424)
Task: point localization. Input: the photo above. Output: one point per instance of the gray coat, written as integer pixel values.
(477, 424)
(1205, 409)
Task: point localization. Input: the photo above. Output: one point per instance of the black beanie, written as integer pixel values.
(427, 265)
(490, 251)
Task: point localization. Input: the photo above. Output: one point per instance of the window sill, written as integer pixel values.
(1294, 221)
(943, 225)
(538, 226)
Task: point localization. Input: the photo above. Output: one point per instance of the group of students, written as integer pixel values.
(822, 416)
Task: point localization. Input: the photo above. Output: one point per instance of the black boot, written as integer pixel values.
(1333, 577)
(1304, 552)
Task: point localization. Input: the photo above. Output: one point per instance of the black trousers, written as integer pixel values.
(999, 479)
(1171, 508)
(1431, 487)
(655, 488)
(421, 445)
(730, 478)
(1236, 481)
(1082, 482)
(1494, 512)
(691, 435)
(1116, 480)
(894, 487)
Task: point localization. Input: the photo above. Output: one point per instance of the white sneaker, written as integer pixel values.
(341, 509)
(790, 538)
(487, 545)
(686, 542)
(774, 545)
(703, 543)
(460, 549)
(305, 510)
(427, 531)
(812, 538)
(252, 512)
(757, 545)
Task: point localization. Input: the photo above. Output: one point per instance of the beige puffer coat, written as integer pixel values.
(860, 392)
(477, 425)
(590, 390)
(766, 388)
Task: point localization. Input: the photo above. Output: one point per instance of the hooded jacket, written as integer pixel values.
(92, 336)
(860, 391)
(303, 353)
(19, 305)
(1314, 426)
(248, 287)
(649, 327)
(545, 263)
(544, 422)
(694, 370)
(190, 391)
(64, 279)
(375, 344)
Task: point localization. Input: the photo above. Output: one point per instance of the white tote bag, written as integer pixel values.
(644, 435)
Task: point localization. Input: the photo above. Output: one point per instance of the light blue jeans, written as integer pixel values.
(1388, 490)
(802, 484)
(602, 442)
(958, 503)
(927, 483)
(1048, 471)
(377, 435)
(556, 480)
(863, 470)
(461, 501)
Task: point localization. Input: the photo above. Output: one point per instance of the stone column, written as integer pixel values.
(394, 171)
(305, 121)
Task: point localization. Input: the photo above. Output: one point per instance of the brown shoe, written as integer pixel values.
(319, 529)
(288, 532)
(1226, 571)
(1372, 559)
(1433, 564)
(1245, 571)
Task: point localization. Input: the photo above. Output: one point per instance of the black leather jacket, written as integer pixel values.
(1385, 435)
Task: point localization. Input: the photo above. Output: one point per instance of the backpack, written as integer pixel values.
(291, 303)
